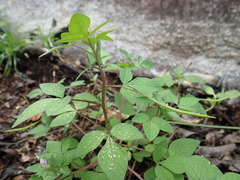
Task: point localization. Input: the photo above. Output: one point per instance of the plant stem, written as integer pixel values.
(90, 102)
(97, 55)
(162, 104)
(204, 125)
(21, 129)
(86, 167)
(135, 173)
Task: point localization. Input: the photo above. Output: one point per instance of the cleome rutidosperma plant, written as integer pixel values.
(143, 107)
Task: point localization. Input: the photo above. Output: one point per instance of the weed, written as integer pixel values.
(145, 107)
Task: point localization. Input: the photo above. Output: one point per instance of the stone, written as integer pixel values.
(205, 34)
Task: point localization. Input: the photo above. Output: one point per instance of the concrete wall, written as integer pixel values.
(167, 32)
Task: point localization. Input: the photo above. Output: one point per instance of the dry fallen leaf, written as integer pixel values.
(36, 117)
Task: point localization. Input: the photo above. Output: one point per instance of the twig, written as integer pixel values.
(130, 173)
(86, 167)
(78, 128)
(135, 173)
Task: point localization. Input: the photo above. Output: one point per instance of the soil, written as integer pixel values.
(18, 150)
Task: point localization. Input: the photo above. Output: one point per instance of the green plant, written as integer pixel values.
(11, 41)
(144, 107)
(43, 38)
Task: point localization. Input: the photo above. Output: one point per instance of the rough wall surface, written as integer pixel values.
(167, 32)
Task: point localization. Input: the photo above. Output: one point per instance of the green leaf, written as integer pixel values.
(232, 93)
(54, 147)
(106, 38)
(63, 119)
(183, 147)
(34, 93)
(68, 156)
(178, 176)
(126, 54)
(174, 164)
(39, 131)
(104, 56)
(168, 96)
(35, 178)
(209, 90)
(194, 79)
(198, 168)
(140, 118)
(77, 83)
(178, 73)
(162, 124)
(89, 142)
(100, 26)
(125, 75)
(102, 36)
(151, 130)
(34, 109)
(34, 168)
(69, 143)
(163, 174)
(71, 38)
(160, 151)
(53, 89)
(142, 103)
(166, 79)
(129, 95)
(188, 100)
(94, 176)
(149, 147)
(150, 174)
(147, 64)
(65, 170)
(112, 159)
(126, 132)
(191, 103)
(83, 96)
(172, 115)
(140, 155)
(144, 85)
(122, 103)
(230, 176)
(54, 49)
(79, 24)
(59, 105)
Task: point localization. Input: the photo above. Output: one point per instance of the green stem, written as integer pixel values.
(21, 129)
(169, 107)
(215, 100)
(97, 55)
(83, 49)
(206, 126)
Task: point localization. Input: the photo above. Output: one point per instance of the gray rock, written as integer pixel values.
(205, 34)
